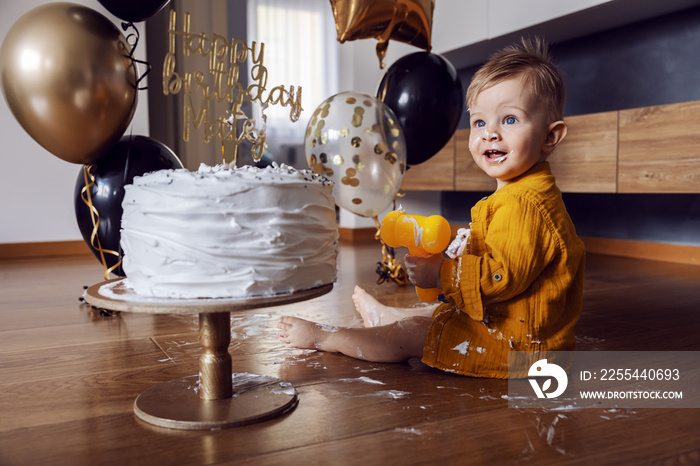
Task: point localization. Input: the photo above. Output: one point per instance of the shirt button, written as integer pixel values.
(497, 277)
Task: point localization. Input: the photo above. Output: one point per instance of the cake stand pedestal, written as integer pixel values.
(216, 398)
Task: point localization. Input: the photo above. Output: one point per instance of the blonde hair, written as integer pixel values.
(531, 60)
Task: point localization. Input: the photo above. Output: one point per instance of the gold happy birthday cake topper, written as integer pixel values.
(224, 58)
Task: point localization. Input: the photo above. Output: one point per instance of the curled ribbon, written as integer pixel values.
(95, 216)
(397, 19)
(133, 39)
(388, 268)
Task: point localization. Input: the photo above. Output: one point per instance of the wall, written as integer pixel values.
(468, 32)
(36, 188)
(652, 62)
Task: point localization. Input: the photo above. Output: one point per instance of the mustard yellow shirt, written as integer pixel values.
(517, 287)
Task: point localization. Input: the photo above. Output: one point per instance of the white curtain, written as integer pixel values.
(301, 49)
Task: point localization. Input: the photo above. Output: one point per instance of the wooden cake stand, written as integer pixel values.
(216, 398)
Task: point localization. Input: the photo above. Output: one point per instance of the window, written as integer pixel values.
(301, 49)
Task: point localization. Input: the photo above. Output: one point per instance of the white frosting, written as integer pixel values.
(459, 245)
(221, 232)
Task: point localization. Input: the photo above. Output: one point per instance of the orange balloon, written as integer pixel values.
(421, 235)
(387, 231)
(407, 233)
(436, 234)
(409, 21)
(428, 295)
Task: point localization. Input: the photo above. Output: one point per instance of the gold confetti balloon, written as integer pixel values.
(357, 142)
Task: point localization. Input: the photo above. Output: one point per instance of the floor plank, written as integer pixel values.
(69, 377)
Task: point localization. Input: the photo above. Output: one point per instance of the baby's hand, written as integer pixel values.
(424, 271)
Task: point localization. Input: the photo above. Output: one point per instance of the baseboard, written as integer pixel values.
(44, 249)
(664, 252)
(677, 253)
(356, 235)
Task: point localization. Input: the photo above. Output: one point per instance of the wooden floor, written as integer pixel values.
(69, 377)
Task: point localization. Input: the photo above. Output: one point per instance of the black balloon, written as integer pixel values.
(131, 156)
(425, 92)
(134, 10)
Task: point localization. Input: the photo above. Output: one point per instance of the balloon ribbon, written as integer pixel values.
(95, 216)
(133, 40)
(388, 268)
(397, 19)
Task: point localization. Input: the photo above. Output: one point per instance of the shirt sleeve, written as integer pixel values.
(519, 245)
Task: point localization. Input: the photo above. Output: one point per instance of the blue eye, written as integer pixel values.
(510, 120)
(479, 123)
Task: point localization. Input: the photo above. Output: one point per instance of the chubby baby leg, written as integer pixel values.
(395, 342)
(374, 313)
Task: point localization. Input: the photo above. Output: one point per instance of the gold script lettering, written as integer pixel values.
(224, 60)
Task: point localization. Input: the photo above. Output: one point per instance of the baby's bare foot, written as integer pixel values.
(300, 333)
(367, 307)
(375, 313)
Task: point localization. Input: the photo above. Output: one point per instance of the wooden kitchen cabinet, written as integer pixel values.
(586, 160)
(435, 174)
(660, 149)
(643, 150)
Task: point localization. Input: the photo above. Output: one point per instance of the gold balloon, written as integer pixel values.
(409, 21)
(68, 80)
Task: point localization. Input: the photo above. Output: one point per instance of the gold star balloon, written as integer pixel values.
(408, 21)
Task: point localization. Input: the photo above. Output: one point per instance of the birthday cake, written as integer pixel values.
(224, 232)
